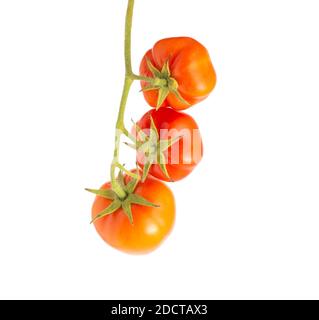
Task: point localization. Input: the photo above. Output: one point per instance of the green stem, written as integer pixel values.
(120, 127)
(137, 77)
(120, 118)
(128, 37)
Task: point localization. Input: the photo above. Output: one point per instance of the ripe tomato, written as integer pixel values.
(190, 68)
(181, 157)
(150, 225)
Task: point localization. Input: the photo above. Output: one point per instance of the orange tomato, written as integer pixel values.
(189, 64)
(151, 225)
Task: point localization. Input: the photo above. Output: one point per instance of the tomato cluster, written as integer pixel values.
(136, 211)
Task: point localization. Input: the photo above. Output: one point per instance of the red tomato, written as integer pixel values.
(189, 65)
(151, 225)
(183, 156)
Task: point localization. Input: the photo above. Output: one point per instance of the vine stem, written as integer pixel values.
(136, 77)
(129, 78)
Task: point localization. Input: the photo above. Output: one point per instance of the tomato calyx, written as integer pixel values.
(154, 149)
(118, 203)
(164, 83)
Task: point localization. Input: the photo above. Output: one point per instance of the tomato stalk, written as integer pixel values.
(142, 78)
(120, 126)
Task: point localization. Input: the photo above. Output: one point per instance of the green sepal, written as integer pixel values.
(131, 186)
(146, 169)
(166, 144)
(118, 203)
(128, 172)
(162, 95)
(139, 131)
(154, 136)
(107, 194)
(120, 179)
(149, 88)
(164, 83)
(166, 73)
(179, 97)
(137, 199)
(157, 156)
(114, 206)
(162, 164)
(126, 206)
(155, 72)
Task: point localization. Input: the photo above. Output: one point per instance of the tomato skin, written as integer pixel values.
(190, 66)
(150, 225)
(165, 120)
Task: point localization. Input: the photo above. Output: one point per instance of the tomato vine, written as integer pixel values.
(129, 78)
(175, 74)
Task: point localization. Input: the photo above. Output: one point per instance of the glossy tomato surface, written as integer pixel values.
(151, 225)
(190, 66)
(184, 155)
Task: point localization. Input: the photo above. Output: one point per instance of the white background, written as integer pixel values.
(247, 218)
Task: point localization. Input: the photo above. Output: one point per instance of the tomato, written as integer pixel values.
(151, 225)
(190, 72)
(181, 157)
